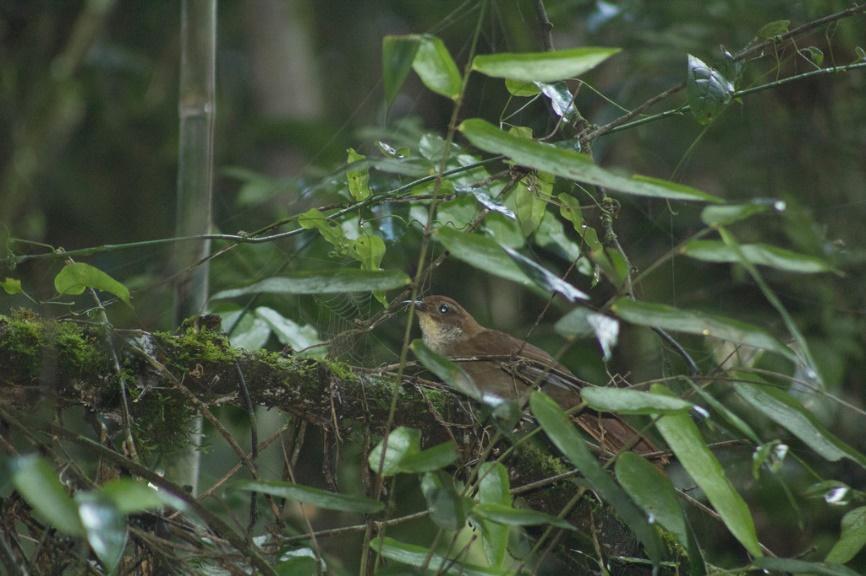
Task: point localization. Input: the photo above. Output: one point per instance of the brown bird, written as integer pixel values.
(505, 368)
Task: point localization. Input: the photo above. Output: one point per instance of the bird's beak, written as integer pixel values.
(418, 304)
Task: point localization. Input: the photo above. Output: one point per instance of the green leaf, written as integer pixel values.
(419, 556)
(542, 66)
(566, 438)
(369, 249)
(75, 278)
(653, 492)
(520, 88)
(571, 165)
(436, 68)
(569, 208)
(298, 562)
(11, 285)
(398, 53)
(772, 29)
(852, 539)
(816, 55)
(315, 496)
(494, 488)
(130, 496)
(443, 502)
(451, 373)
(331, 232)
(322, 282)
(402, 442)
(544, 277)
(802, 567)
(37, 482)
(561, 101)
(583, 322)
(730, 417)
(761, 254)
(358, 178)
(786, 411)
(626, 401)
(551, 235)
(251, 333)
(105, 527)
(529, 200)
(708, 91)
(684, 438)
(509, 516)
(289, 333)
(693, 322)
(482, 253)
(439, 456)
(728, 214)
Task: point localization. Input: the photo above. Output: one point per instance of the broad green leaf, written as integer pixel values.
(518, 516)
(653, 492)
(331, 232)
(315, 496)
(583, 322)
(436, 68)
(105, 527)
(451, 373)
(566, 438)
(298, 562)
(402, 442)
(289, 333)
(439, 456)
(561, 101)
(569, 208)
(708, 91)
(761, 254)
(357, 175)
(251, 333)
(815, 54)
(802, 567)
(684, 438)
(542, 66)
(322, 282)
(520, 88)
(852, 539)
(369, 249)
(131, 496)
(694, 322)
(494, 488)
(529, 200)
(36, 481)
(626, 401)
(571, 165)
(75, 278)
(419, 556)
(444, 503)
(551, 235)
(786, 411)
(11, 285)
(398, 53)
(772, 29)
(544, 277)
(482, 253)
(730, 213)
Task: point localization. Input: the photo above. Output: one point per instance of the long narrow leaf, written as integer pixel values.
(684, 438)
(542, 66)
(564, 436)
(322, 282)
(315, 496)
(571, 165)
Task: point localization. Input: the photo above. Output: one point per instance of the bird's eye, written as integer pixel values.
(443, 308)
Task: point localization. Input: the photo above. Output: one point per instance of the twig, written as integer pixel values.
(545, 25)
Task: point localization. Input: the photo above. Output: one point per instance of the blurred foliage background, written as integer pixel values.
(88, 153)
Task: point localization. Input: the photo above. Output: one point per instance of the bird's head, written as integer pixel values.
(444, 322)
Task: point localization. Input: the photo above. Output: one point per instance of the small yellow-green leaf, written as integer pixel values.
(357, 175)
(445, 505)
(761, 254)
(772, 29)
(11, 285)
(398, 53)
(402, 442)
(730, 213)
(542, 66)
(76, 277)
(852, 539)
